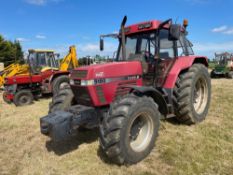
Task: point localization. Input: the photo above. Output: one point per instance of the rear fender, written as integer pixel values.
(181, 65)
(156, 95)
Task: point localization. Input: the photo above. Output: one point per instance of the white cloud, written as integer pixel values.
(219, 29)
(41, 37)
(84, 49)
(210, 48)
(223, 29)
(229, 31)
(22, 39)
(93, 48)
(90, 47)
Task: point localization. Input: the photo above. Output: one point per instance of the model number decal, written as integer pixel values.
(99, 74)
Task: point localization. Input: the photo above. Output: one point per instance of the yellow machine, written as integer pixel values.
(12, 70)
(70, 61)
(40, 61)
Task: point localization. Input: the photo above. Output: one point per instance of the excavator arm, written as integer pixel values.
(12, 70)
(70, 61)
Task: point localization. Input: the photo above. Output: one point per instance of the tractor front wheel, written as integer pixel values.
(63, 100)
(129, 130)
(192, 95)
(23, 98)
(59, 83)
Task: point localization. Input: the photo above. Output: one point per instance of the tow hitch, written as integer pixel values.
(60, 125)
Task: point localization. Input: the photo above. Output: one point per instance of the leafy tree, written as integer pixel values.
(10, 51)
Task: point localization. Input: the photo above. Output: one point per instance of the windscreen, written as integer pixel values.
(139, 45)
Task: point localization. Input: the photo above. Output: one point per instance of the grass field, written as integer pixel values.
(206, 148)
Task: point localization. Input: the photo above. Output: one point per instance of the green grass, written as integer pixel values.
(206, 148)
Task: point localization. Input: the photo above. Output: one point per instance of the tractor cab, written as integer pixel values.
(155, 44)
(224, 65)
(224, 59)
(41, 60)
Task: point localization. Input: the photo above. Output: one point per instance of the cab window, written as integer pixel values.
(166, 46)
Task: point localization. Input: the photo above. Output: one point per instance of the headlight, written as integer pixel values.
(87, 82)
(71, 82)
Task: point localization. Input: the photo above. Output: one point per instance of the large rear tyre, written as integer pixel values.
(59, 83)
(192, 95)
(23, 98)
(63, 100)
(129, 130)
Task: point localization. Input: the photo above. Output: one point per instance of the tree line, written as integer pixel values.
(10, 52)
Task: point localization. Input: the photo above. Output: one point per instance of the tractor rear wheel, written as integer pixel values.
(63, 100)
(59, 83)
(23, 98)
(192, 95)
(129, 130)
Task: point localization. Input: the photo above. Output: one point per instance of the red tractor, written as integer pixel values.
(155, 76)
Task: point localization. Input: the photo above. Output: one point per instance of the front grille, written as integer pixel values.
(82, 95)
(100, 94)
(79, 74)
(122, 90)
(77, 82)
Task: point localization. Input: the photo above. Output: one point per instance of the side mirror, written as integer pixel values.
(174, 32)
(101, 44)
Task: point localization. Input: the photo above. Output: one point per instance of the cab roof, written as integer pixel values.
(144, 26)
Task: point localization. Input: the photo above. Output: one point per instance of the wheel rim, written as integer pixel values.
(200, 95)
(23, 100)
(63, 84)
(141, 131)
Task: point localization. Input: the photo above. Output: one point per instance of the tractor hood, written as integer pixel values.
(108, 70)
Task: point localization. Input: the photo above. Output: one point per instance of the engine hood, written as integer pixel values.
(110, 70)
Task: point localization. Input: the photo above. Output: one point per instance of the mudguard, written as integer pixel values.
(181, 64)
(155, 94)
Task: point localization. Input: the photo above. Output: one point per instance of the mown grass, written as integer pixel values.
(206, 148)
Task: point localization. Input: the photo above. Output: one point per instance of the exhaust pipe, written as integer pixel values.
(122, 31)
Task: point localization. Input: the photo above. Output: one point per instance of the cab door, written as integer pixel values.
(167, 57)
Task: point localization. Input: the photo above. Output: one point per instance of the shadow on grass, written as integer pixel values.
(44, 96)
(102, 155)
(66, 146)
(173, 121)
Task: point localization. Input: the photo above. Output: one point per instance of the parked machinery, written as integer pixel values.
(13, 70)
(45, 76)
(224, 65)
(127, 98)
